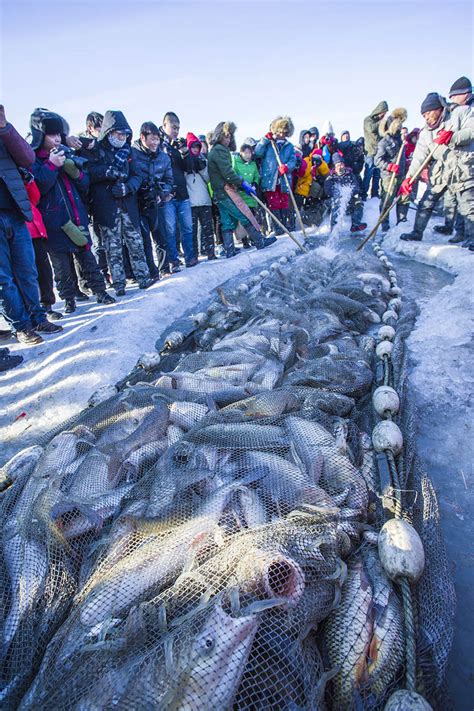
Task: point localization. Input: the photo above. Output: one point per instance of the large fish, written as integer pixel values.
(240, 436)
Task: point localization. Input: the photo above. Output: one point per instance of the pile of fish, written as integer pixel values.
(206, 540)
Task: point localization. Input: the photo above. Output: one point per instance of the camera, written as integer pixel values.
(151, 194)
(78, 161)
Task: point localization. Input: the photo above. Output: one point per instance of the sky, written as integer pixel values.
(246, 62)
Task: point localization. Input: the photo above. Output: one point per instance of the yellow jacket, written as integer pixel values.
(303, 185)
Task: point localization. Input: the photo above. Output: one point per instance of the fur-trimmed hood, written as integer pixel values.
(282, 123)
(392, 123)
(224, 128)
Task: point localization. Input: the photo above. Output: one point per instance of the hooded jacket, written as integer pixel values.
(155, 171)
(371, 128)
(14, 153)
(220, 160)
(303, 185)
(305, 147)
(198, 178)
(390, 145)
(452, 165)
(103, 205)
(249, 172)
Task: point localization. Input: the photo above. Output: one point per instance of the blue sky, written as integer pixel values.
(240, 61)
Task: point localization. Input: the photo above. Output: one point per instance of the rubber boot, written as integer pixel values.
(228, 242)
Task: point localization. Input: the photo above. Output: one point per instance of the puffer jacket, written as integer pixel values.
(249, 172)
(154, 169)
(371, 128)
(334, 184)
(197, 176)
(390, 148)
(269, 175)
(14, 153)
(303, 185)
(453, 165)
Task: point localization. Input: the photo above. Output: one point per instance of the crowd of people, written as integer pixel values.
(89, 214)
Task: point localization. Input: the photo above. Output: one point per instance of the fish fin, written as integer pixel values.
(262, 605)
(211, 403)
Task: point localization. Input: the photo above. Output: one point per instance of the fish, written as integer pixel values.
(337, 372)
(279, 481)
(240, 436)
(347, 636)
(187, 414)
(333, 403)
(307, 439)
(20, 465)
(268, 404)
(91, 478)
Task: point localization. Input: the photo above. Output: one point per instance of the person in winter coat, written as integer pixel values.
(19, 295)
(273, 181)
(316, 168)
(313, 137)
(372, 138)
(200, 199)
(344, 188)
(461, 92)
(39, 236)
(390, 160)
(177, 209)
(222, 174)
(115, 179)
(304, 143)
(353, 153)
(410, 144)
(450, 131)
(156, 185)
(245, 166)
(61, 184)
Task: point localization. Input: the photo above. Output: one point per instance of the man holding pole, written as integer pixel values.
(448, 137)
(390, 160)
(278, 160)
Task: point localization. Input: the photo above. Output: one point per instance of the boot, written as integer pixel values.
(69, 306)
(28, 337)
(411, 236)
(52, 315)
(80, 296)
(455, 239)
(104, 298)
(443, 230)
(255, 237)
(228, 242)
(7, 361)
(48, 327)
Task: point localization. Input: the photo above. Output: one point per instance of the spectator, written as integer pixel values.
(390, 160)
(305, 145)
(372, 138)
(177, 210)
(156, 187)
(61, 183)
(244, 165)
(404, 133)
(272, 174)
(313, 137)
(221, 174)
(199, 196)
(353, 153)
(344, 188)
(115, 179)
(345, 136)
(19, 296)
(461, 92)
(94, 122)
(316, 171)
(39, 236)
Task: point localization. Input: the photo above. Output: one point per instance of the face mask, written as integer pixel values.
(116, 142)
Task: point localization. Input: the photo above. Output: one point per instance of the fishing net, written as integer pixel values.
(205, 537)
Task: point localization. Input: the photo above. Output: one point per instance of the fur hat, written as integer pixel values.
(392, 123)
(225, 128)
(43, 122)
(282, 123)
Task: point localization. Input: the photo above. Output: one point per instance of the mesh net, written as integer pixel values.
(202, 538)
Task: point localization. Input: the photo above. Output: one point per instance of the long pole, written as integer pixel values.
(280, 224)
(290, 191)
(397, 199)
(393, 177)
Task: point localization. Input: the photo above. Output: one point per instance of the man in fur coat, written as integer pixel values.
(390, 160)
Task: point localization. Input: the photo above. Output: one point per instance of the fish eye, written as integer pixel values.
(209, 644)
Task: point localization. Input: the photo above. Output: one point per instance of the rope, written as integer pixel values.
(410, 645)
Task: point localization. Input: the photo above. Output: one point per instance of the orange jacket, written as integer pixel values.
(303, 186)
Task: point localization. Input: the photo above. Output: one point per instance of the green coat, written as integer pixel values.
(221, 170)
(249, 172)
(371, 128)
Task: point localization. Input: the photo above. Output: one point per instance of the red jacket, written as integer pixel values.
(36, 228)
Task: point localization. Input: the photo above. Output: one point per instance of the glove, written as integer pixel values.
(393, 168)
(443, 137)
(269, 136)
(71, 169)
(282, 169)
(249, 189)
(113, 173)
(119, 190)
(406, 187)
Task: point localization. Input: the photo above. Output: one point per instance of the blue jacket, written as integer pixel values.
(57, 190)
(269, 166)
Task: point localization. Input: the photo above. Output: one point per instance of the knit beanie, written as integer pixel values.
(463, 85)
(431, 103)
(337, 158)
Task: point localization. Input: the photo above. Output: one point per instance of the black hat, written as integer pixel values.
(431, 103)
(52, 125)
(337, 158)
(463, 85)
(43, 122)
